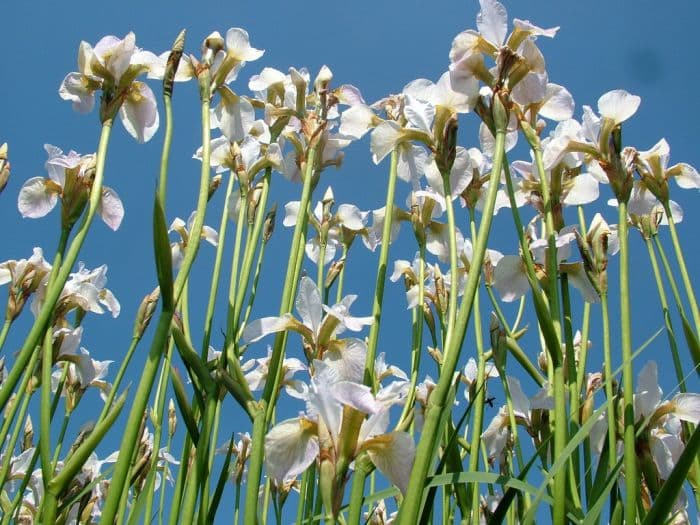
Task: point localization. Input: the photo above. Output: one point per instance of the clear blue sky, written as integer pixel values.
(646, 47)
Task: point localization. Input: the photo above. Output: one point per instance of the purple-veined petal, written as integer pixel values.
(647, 395)
(492, 21)
(347, 358)
(584, 190)
(384, 139)
(510, 279)
(36, 198)
(393, 454)
(139, 112)
(259, 328)
(420, 114)
(110, 208)
(309, 304)
(75, 87)
(356, 121)
(687, 407)
(290, 447)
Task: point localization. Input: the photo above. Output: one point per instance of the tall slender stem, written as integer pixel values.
(437, 403)
(630, 455)
(684, 270)
(130, 438)
(272, 384)
(680, 376)
(359, 481)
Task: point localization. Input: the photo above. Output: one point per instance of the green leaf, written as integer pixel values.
(164, 262)
(76, 461)
(692, 340)
(184, 405)
(503, 505)
(223, 478)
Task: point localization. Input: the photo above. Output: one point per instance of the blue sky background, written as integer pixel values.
(644, 46)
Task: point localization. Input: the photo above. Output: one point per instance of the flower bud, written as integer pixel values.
(333, 272)
(211, 46)
(173, 61)
(253, 202)
(4, 167)
(172, 418)
(145, 312)
(324, 77)
(429, 320)
(214, 185)
(498, 343)
(499, 113)
(436, 354)
(28, 437)
(269, 226)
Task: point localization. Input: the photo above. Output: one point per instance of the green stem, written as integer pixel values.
(130, 439)
(583, 356)
(381, 272)
(54, 290)
(451, 226)
(251, 245)
(609, 394)
(234, 283)
(341, 276)
(630, 455)
(369, 380)
(680, 376)
(272, 383)
(690, 336)
(684, 270)
(250, 512)
(437, 404)
(5, 330)
(10, 445)
(216, 272)
(417, 339)
(253, 289)
(157, 421)
(117, 381)
(478, 403)
(45, 409)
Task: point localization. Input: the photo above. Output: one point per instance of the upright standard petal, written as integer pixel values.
(238, 45)
(618, 105)
(492, 21)
(309, 304)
